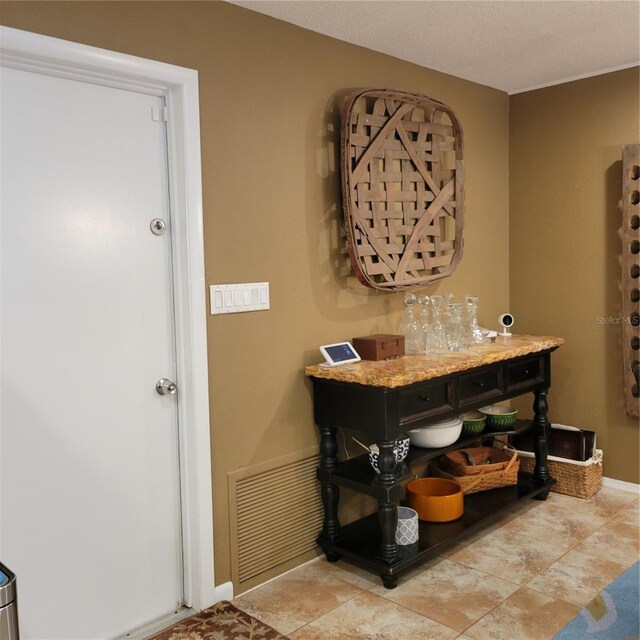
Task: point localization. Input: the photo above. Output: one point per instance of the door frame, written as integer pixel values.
(179, 86)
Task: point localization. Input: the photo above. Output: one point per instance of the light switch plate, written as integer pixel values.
(238, 298)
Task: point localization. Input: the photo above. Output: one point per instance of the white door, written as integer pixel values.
(90, 502)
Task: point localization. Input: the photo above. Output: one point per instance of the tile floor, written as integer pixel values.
(524, 578)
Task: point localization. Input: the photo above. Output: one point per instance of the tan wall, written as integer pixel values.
(271, 201)
(566, 176)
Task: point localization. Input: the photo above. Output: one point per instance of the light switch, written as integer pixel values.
(234, 298)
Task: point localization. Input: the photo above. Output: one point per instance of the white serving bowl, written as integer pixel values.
(436, 434)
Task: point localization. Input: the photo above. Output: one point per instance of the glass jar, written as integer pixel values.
(456, 334)
(425, 325)
(409, 326)
(475, 333)
(438, 334)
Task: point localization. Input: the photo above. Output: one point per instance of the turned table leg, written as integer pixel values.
(329, 492)
(387, 512)
(540, 409)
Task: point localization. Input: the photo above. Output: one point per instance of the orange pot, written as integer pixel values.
(435, 499)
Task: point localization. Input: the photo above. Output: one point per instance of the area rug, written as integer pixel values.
(614, 614)
(223, 621)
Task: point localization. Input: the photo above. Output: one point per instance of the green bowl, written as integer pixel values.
(473, 423)
(499, 418)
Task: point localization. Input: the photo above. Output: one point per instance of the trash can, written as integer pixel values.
(8, 605)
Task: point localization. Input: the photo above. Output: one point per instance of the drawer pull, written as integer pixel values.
(479, 384)
(425, 398)
(525, 372)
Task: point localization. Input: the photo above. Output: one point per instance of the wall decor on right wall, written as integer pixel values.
(403, 188)
(631, 275)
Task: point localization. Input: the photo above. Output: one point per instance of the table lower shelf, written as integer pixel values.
(359, 542)
(357, 473)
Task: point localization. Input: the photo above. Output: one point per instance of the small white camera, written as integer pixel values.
(506, 321)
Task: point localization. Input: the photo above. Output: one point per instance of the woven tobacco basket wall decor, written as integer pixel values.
(402, 181)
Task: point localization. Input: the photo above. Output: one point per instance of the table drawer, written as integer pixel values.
(479, 385)
(425, 399)
(525, 374)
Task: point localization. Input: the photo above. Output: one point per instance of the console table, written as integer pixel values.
(382, 400)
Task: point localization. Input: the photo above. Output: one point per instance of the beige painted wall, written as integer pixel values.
(566, 176)
(271, 201)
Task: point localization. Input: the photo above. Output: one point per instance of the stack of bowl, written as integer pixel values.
(499, 418)
(436, 434)
(473, 423)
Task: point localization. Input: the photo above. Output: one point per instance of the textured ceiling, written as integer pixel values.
(512, 45)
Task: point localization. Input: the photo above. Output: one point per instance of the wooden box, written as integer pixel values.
(381, 346)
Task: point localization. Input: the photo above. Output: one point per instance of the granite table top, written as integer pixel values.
(417, 368)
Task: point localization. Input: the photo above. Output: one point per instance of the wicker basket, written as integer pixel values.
(472, 461)
(573, 478)
(502, 472)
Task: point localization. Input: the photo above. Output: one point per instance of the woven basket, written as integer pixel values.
(403, 192)
(573, 478)
(474, 460)
(481, 477)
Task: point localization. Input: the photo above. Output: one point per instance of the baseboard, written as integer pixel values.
(284, 573)
(224, 592)
(207, 597)
(612, 483)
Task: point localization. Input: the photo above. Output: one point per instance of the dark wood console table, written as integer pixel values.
(384, 399)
